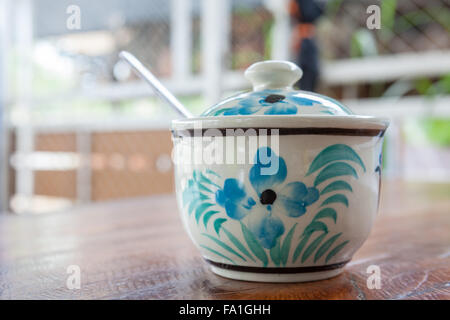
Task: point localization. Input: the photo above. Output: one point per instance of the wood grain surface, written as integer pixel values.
(137, 249)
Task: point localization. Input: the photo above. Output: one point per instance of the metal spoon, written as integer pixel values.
(160, 90)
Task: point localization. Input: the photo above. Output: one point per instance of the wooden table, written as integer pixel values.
(136, 249)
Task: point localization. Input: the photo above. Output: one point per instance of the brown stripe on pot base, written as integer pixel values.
(279, 131)
(278, 270)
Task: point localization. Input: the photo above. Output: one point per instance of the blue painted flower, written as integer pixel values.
(271, 101)
(234, 199)
(266, 177)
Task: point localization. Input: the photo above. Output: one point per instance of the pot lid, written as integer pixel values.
(273, 94)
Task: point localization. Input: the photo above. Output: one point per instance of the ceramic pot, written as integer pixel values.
(278, 185)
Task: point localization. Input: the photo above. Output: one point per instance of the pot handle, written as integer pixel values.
(273, 74)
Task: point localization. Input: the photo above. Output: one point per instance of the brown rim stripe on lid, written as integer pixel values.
(278, 270)
(282, 132)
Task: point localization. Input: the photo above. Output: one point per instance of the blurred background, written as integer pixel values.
(77, 126)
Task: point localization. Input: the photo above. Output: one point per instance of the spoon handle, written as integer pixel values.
(160, 90)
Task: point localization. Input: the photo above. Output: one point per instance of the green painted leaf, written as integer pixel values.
(325, 246)
(190, 183)
(337, 198)
(275, 253)
(221, 111)
(193, 205)
(196, 174)
(203, 188)
(336, 185)
(335, 170)
(254, 245)
(237, 243)
(301, 245)
(200, 209)
(198, 181)
(218, 224)
(203, 197)
(208, 216)
(335, 250)
(224, 245)
(287, 245)
(326, 213)
(217, 253)
(209, 171)
(204, 179)
(336, 152)
(313, 246)
(388, 10)
(315, 226)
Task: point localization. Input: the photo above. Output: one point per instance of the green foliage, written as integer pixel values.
(434, 130)
(309, 230)
(280, 253)
(336, 198)
(217, 253)
(363, 44)
(423, 16)
(336, 185)
(201, 209)
(437, 131)
(425, 86)
(254, 245)
(333, 153)
(335, 250)
(285, 248)
(218, 224)
(224, 245)
(196, 196)
(221, 111)
(275, 253)
(332, 7)
(333, 170)
(208, 216)
(326, 213)
(268, 38)
(310, 249)
(238, 244)
(325, 246)
(334, 161)
(304, 239)
(315, 226)
(439, 14)
(388, 8)
(331, 158)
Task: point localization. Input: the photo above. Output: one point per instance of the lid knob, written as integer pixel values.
(273, 74)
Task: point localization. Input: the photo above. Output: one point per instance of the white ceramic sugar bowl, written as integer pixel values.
(278, 185)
